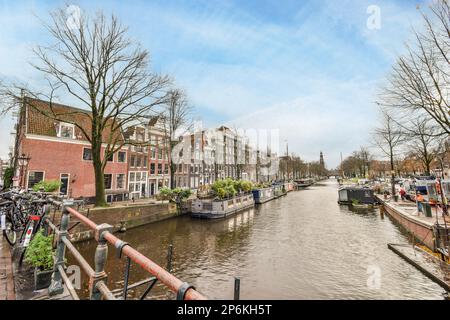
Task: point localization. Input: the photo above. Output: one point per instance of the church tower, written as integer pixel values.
(322, 162)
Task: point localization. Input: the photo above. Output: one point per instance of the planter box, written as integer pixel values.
(42, 279)
(214, 209)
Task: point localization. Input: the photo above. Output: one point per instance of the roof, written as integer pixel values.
(44, 117)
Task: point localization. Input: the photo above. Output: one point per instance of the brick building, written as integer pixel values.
(59, 150)
(148, 165)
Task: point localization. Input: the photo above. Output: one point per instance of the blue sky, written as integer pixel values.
(308, 68)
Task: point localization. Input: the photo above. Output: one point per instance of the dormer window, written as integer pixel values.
(66, 130)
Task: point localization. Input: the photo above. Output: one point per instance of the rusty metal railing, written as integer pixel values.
(98, 288)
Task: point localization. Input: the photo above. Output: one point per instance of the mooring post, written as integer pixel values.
(237, 288)
(56, 286)
(101, 255)
(382, 211)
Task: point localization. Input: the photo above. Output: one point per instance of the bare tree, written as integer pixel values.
(94, 62)
(388, 137)
(177, 121)
(420, 79)
(422, 140)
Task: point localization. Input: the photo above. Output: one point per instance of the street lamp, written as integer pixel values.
(23, 161)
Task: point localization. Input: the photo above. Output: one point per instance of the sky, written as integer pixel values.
(309, 70)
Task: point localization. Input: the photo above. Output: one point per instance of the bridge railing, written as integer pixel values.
(98, 288)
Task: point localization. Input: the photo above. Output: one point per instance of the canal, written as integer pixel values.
(302, 246)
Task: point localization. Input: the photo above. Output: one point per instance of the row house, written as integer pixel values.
(58, 150)
(208, 156)
(149, 168)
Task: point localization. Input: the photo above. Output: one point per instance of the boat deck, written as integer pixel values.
(409, 209)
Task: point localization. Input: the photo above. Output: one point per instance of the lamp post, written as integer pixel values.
(23, 161)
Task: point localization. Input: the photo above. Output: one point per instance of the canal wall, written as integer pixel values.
(121, 218)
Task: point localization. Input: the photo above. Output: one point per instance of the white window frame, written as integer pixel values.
(126, 155)
(28, 175)
(65, 124)
(68, 182)
(124, 181)
(82, 154)
(112, 181)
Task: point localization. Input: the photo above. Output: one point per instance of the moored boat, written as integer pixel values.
(263, 195)
(357, 196)
(304, 183)
(215, 209)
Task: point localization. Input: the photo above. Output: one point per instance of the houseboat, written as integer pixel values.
(279, 190)
(263, 195)
(304, 183)
(356, 195)
(216, 209)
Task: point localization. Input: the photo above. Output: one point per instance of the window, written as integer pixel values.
(153, 153)
(110, 157)
(144, 162)
(160, 153)
(120, 179)
(166, 169)
(133, 161)
(34, 177)
(64, 188)
(138, 161)
(159, 168)
(108, 181)
(152, 168)
(87, 154)
(121, 156)
(66, 130)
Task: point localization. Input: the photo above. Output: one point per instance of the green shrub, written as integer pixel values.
(228, 188)
(7, 177)
(174, 195)
(40, 252)
(47, 186)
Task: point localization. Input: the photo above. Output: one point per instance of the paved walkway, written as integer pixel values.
(7, 291)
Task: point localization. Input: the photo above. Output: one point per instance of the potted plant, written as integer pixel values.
(49, 186)
(39, 254)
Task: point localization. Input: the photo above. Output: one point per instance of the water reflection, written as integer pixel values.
(303, 246)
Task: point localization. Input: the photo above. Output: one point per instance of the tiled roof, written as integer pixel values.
(42, 119)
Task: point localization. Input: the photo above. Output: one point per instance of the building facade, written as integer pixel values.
(58, 150)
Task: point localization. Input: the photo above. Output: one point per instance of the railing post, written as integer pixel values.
(101, 255)
(56, 286)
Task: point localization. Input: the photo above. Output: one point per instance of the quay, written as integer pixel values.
(429, 265)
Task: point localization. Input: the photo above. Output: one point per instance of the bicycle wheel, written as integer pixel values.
(9, 233)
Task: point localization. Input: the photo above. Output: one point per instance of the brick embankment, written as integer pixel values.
(7, 291)
(120, 217)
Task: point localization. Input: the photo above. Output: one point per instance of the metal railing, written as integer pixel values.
(98, 288)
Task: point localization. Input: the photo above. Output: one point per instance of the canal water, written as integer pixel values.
(302, 246)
